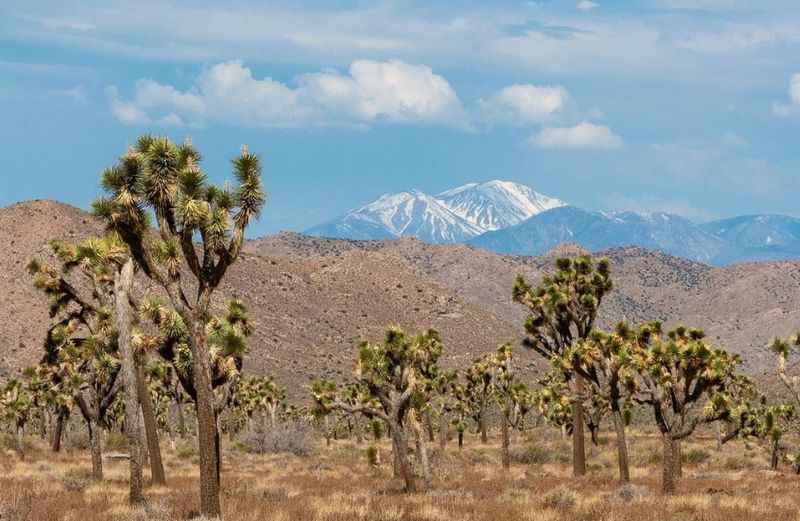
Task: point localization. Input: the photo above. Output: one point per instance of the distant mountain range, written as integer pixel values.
(512, 218)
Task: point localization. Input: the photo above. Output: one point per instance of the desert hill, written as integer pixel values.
(311, 299)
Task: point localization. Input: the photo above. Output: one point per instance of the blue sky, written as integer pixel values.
(691, 107)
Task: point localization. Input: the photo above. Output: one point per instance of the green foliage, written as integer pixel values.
(372, 455)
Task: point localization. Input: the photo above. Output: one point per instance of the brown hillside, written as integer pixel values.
(311, 299)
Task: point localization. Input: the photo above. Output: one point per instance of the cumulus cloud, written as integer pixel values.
(523, 104)
(371, 91)
(584, 135)
(793, 107)
(586, 5)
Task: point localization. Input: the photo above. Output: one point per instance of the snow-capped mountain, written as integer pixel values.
(757, 237)
(455, 215)
(403, 214)
(496, 204)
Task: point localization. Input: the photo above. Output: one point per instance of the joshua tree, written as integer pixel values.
(562, 310)
(392, 375)
(512, 396)
(16, 405)
(444, 402)
(165, 178)
(686, 382)
(604, 361)
(478, 391)
(106, 268)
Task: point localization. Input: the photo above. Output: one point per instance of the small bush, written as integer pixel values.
(293, 438)
(75, 480)
(560, 498)
(116, 441)
(530, 455)
(696, 456)
(628, 493)
(738, 463)
(372, 456)
(185, 450)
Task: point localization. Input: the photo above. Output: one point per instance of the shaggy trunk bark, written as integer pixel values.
(400, 448)
(151, 428)
(97, 450)
(19, 442)
(206, 422)
(773, 460)
(123, 318)
(668, 466)
(678, 459)
(578, 442)
(429, 426)
(422, 449)
(460, 440)
(442, 430)
(506, 442)
(58, 432)
(482, 426)
(622, 447)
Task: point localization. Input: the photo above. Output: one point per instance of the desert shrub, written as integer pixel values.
(185, 449)
(696, 456)
(77, 440)
(628, 493)
(736, 463)
(560, 498)
(150, 511)
(293, 438)
(116, 441)
(372, 455)
(530, 454)
(75, 480)
(274, 494)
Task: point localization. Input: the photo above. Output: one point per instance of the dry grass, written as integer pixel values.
(338, 484)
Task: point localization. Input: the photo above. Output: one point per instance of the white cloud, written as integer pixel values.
(585, 135)
(372, 91)
(793, 107)
(586, 5)
(523, 104)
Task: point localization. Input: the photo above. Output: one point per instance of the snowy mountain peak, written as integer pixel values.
(455, 215)
(497, 204)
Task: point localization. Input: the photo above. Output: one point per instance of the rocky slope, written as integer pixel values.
(311, 299)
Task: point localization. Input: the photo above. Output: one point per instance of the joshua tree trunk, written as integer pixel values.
(506, 456)
(400, 448)
(181, 420)
(123, 318)
(151, 428)
(678, 459)
(460, 440)
(622, 447)
(429, 426)
(482, 427)
(19, 441)
(578, 442)
(443, 430)
(58, 431)
(97, 450)
(206, 423)
(773, 460)
(422, 450)
(668, 469)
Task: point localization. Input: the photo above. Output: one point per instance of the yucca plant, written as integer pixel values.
(393, 377)
(562, 310)
(603, 360)
(686, 382)
(160, 178)
(513, 397)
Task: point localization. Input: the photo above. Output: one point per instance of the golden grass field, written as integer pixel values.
(337, 484)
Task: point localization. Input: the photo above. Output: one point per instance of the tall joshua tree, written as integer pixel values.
(512, 396)
(603, 360)
(686, 382)
(106, 267)
(478, 391)
(562, 310)
(392, 374)
(165, 178)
